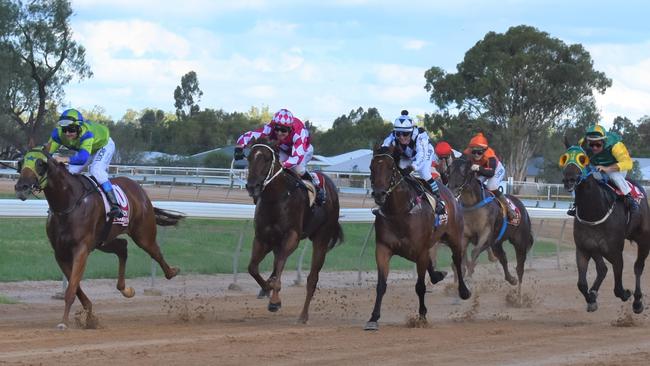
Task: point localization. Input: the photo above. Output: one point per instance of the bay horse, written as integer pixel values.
(486, 224)
(405, 225)
(76, 223)
(600, 227)
(283, 217)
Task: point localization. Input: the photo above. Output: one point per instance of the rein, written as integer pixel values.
(394, 183)
(269, 177)
(609, 212)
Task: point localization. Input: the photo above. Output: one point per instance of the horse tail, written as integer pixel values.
(337, 237)
(167, 218)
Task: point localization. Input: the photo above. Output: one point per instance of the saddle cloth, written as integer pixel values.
(122, 201)
(440, 219)
(635, 192)
(517, 219)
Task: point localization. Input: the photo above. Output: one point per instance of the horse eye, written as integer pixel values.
(563, 160)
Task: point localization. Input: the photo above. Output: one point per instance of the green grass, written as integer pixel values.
(196, 246)
(7, 300)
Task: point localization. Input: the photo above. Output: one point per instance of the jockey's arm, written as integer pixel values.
(421, 151)
(82, 156)
(623, 160)
(54, 142)
(245, 138)
(490, 170)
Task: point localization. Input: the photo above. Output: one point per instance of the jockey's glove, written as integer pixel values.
(239, 153)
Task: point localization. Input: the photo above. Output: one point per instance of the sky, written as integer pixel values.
(322, 59)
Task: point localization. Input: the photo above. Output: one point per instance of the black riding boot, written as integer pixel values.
(572, 209)
(115, 211)
(320, 193)
(631, 203)
(504, 203)
(440, 204)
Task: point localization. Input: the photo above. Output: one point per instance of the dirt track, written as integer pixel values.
(198, 321)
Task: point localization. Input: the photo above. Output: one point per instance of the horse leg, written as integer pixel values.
(420, 287)
(435, 276)
(497, 249)
(601, 272)
(617, 267)
(521, 251)
(317, 260)
(481, 245)
(66, 268)
(257, 255)
(642, 254)
(290, 243)
(80, 257)
(382, 257)
(118, 247)
(458, 249)
(582, 261)
(146, 239)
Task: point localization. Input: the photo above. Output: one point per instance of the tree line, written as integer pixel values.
(523, 88)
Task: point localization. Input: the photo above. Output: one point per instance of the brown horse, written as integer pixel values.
(77, 224)
(283, 217)
(406, 226)
(485, 222)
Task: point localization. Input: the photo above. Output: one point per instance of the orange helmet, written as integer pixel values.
(442, 149)
(478, 141)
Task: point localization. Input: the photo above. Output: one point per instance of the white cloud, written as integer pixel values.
(414, 44)
(263, 92)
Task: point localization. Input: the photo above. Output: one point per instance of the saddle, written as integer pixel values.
(90, 183)
(424, 190)
(637, 193)
(515, 220)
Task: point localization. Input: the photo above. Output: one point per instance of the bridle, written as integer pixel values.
(393, 183)
(270, 175)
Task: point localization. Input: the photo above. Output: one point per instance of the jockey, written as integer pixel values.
(294, 142)
(416, 152)
(94, 147)
(445, 156)
(609, 155)
(489, 169)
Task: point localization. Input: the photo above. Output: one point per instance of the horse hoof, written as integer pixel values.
(371, 326)
(61, 326)
(438, 276)
(512, 281)
(274, 307)
(302, 320)
(128, 292)
(174, 271)
(637, 307)
(626, 295)
(464, 293)
(263, 293)
(592, 306)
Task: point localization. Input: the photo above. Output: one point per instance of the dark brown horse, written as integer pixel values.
(76, 223)
(600, 227)
(406, 226)
(485, 223)
(283, 217)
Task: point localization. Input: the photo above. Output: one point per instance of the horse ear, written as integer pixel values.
(376, 147)
(41, 166)
(566, 142)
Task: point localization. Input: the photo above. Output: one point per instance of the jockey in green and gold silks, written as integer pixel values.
(608, 154)
(94, 148)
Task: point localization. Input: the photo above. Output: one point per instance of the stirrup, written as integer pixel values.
(571, 211)
(115, 212)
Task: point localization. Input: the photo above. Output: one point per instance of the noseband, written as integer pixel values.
(393, 182)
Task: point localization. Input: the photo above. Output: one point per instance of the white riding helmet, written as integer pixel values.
(403, 123)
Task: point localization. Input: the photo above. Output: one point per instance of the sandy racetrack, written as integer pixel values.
(197, 320)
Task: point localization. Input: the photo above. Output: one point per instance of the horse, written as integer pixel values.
(76, 223)
(405, 225)
(486, 224)
(283, 217)
(600, 227)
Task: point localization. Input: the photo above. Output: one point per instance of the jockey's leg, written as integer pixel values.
(425, 173)
(504, 203)
(619, 179)
(301, 170)
(99, 170)
(572, 207)
(492, 185)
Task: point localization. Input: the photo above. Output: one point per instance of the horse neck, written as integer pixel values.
(62, 188)
(395, 203)
(592, 200)
(472, 194)
(275, 189)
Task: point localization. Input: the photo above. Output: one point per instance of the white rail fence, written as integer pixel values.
(245, 213)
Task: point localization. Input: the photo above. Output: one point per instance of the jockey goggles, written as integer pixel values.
(283, 129)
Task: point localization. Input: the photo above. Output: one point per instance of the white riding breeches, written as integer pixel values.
(494, 182)
(619, 179)
(301, 168)
(424, 169)
(98, 163)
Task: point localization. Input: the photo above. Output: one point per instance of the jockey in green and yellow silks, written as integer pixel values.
(608, 154)
(94, 148)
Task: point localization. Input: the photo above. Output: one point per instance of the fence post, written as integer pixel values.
(557, 248)
(298, 279)
(152, 291)
(235, 259)
(535, 235)
(363, 250)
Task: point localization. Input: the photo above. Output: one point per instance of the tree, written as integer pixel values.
(40, 57)
(523, 82)
(187, 95)
(360, 129)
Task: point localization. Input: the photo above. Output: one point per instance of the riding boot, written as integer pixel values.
(115, 211)
(440, 204)
(504, 203)
(632, 204)
(320, 193)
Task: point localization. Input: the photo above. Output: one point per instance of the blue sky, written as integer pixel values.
(321, 59)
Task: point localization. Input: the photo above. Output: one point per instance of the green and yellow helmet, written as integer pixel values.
(596, 132)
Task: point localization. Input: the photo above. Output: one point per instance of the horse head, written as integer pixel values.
(575, 167)
(384, 174)
(460, 175)
(33, 169)
(263, 162)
